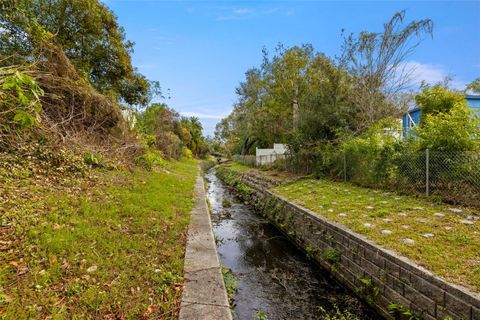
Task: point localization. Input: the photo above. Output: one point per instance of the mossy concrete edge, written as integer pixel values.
(204, 295)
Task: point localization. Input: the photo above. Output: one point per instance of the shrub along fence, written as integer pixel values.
(452, 176)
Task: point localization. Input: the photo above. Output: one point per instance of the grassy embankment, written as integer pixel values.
(426, 232)
(109, 246)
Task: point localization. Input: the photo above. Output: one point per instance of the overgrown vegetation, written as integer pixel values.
(94, 202)
(400, 312)
(230, 281)
(66, 80)
(368, 290)
(337, 314)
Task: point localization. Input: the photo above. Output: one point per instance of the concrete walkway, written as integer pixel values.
(204, 295)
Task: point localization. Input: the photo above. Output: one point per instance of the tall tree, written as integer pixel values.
(287, 75)
(474, 86)
(90, 36)
(376, 61)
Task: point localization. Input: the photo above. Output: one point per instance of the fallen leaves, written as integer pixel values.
(92, 269)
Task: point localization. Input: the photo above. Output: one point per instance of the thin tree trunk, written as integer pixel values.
(295, 110)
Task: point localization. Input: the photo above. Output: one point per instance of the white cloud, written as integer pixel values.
(229, 13)
(202, 115)
(430, 74)
(242, 11)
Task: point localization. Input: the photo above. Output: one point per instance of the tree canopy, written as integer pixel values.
(88, 33)
(304, 98)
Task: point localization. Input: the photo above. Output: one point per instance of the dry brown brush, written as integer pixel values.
(73, 114)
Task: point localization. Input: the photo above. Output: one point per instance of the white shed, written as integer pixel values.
(264, 156)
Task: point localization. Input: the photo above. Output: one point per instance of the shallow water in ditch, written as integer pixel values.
(274, 277)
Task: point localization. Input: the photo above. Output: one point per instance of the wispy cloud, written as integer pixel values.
(236, 13)
(202, 115)
(242, 11)
(431, 74)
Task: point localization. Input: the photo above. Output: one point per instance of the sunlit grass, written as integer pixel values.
(238, 167)
(112, 248)
(441, 243)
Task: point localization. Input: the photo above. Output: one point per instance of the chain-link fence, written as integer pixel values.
(452, 176)
(277, 161)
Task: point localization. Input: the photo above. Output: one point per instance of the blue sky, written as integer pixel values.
(200, 50)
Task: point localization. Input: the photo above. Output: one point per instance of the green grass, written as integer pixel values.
(238, 167)
(452, 253)
(230, 281)
(110, 247)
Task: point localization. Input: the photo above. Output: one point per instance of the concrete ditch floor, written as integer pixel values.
(204, 295)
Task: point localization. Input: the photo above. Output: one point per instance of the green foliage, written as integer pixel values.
(151, 159)
(187, 153)
(453, 130)
(400, 312)
(230, 281)
(19, 100)
(306, 99)
(91, 159)
(260, 315)
(208, 164)
(378, 158)
(331, 256)
(293, 78)
(368, 289)
(337, 314)
(175, 137)
(90, 36)
(474, 86)
(311, 250)
(369, 157)
(231, 178)
(438, 99)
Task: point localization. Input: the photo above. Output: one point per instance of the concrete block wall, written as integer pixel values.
(380, 276)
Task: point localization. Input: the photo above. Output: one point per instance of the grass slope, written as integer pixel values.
(441, 243)
(107, 247)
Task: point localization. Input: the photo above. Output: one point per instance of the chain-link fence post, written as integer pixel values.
(427, 172)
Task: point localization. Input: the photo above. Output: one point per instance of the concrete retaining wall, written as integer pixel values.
(381, 277)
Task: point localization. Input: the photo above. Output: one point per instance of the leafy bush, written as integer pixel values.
(19, 100)
(369, 158)
(150, 159)
(187, 153)
(148, 140)
(455, 130)
(438, 99)
(91, 159)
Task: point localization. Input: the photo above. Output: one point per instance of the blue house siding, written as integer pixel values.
(410, 120)
(413, 115)
(474, 102)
